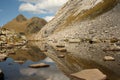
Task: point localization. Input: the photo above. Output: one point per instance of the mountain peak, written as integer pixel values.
(21, 18)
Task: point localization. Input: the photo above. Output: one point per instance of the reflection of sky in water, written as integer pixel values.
(15, 71)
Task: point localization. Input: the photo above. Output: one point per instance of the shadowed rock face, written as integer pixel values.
(35, 25)
(21, 18)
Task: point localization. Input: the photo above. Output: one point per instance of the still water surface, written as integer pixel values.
(31, 55)
(79, 56)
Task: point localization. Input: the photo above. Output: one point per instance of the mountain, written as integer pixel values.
(26, 26)
(84, 19)
(90, 31)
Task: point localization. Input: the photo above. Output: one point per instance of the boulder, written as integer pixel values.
(90, 74)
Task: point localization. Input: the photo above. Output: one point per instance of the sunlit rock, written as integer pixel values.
(90, 74)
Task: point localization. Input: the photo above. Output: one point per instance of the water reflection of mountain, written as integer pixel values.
(28, 52)
(78, 57)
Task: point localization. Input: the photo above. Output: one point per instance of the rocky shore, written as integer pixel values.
(8, 41)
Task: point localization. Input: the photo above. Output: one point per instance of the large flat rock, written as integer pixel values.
(90, 74)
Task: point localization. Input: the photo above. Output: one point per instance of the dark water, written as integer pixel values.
(78, 57)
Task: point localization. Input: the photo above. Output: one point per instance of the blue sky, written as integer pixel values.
(46, 9)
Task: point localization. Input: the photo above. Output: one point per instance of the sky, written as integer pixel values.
(46, 9)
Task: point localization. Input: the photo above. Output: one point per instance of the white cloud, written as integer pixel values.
(48, 18)
(41, 6)
(30, 8)
(50, 73)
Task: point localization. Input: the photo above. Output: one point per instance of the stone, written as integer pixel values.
(39, 65)
(19, 61)
(62, 50)
(90, 74)
(60, 46)
(74, 40)
(43, 50)
(12, 52)
(1, 75)
(61, 56)
(9, 46)
(109, 58)
(3, 57)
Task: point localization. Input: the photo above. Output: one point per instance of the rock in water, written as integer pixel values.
(1, 75)
(19, 61)
(90, 74)
(109, 58)
(40, 65)
(61, 56)
(62, 49)
(60, 46)
(3, 57)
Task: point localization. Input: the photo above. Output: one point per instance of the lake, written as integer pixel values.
(78, 56)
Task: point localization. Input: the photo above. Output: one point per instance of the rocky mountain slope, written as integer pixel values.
(23, 25)
(89, 30)
(84, 19)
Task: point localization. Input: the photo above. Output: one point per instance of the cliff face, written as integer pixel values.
(94, 26)
(23, 25)
(84, 19)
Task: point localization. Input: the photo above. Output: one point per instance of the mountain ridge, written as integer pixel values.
(21, 24)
